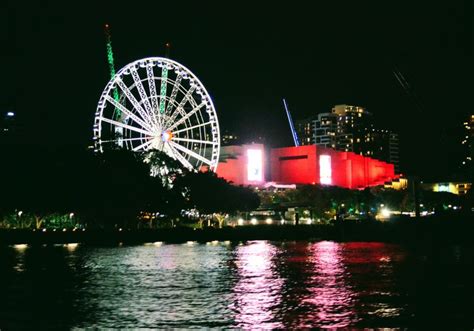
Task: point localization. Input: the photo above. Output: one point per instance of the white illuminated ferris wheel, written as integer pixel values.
(158, 104)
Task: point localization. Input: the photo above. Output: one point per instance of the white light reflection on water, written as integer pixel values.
(173, 285)
(20, 257)
(258, 289)
(331, 297)
(255, 285)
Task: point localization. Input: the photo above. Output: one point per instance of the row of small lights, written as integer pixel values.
(54, 230)
(71, 246)
(22, 247)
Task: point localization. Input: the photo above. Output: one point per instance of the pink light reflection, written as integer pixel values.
(258, 289)
(332, 299)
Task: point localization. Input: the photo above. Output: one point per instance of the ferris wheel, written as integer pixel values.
(158, 104)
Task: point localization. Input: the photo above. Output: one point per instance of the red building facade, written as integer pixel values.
(318, 165)
(310, 164)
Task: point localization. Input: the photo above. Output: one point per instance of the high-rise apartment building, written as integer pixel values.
(383, 145)
(305, 131)
(351, 129)
(354, 129)
(326, 130)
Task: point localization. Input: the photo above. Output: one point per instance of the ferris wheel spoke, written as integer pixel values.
(143, 95)
(121, 139)
(126, 126)
(195, 141)
(174, 93)
(142, 146)
(130, 114)
(152, 87)
(178, 111)
(180, 107)
(185, 117)
(192, 127)
(190, 153)
(146, 117)
(179, 156)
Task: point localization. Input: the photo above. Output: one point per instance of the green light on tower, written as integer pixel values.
(110, 59)
(164, 78)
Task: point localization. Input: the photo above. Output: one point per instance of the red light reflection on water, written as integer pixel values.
(331, 298)
(258, 289)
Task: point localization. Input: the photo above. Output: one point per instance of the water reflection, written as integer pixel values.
(148, 286)
(258, 289)
(331, 297)
(257, 285)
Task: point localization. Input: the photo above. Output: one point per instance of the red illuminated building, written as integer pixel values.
(310, 164)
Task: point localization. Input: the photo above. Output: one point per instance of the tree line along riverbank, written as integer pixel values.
(430, 230)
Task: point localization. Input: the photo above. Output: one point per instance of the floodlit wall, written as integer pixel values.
(309, 164)
(243, 165)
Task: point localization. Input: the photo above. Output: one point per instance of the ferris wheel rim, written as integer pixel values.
(142, 114)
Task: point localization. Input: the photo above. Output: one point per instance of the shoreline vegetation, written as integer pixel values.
(69, 196)
(434, 230)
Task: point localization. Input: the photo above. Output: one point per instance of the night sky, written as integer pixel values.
(249, 56)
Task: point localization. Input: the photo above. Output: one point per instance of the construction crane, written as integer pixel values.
(110, 60)
(292, 127)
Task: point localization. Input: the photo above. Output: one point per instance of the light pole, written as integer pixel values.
(20, 225)
(71, 215)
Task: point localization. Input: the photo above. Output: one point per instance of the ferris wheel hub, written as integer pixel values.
(166, 136)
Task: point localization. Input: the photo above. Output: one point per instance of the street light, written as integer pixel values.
(19, 219)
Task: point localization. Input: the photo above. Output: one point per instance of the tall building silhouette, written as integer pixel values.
(351, 129)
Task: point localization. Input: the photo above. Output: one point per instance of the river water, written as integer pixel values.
(254, 284)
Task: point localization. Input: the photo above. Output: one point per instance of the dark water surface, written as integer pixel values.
(255, 284)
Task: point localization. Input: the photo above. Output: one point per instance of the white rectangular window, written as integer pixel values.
(254, 165)
(325, 173)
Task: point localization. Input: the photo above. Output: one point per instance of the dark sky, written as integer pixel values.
(249, 55)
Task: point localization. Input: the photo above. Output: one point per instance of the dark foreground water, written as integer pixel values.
(257, 284)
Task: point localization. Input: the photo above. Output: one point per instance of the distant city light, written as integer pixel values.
(385, 212)
(10, 114)
(20, 247)
(443, 188)
(71, 246)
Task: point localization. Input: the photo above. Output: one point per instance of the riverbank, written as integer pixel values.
(459, 231)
